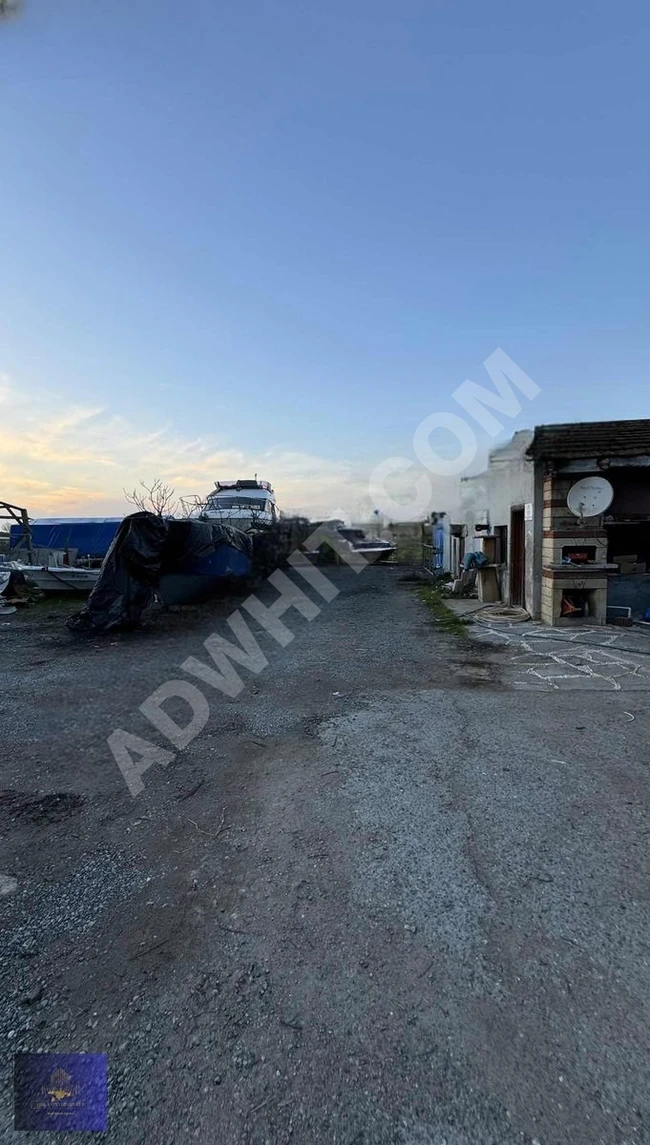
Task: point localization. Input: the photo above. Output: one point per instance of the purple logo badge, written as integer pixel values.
(60, 1092)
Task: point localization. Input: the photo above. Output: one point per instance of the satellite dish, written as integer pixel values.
(590, 497)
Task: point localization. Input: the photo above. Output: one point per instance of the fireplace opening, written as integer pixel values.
(575, 605)
(578, 555)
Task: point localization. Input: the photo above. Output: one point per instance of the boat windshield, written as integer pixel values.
(240, 503)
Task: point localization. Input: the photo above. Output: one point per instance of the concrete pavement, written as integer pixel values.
(389, 895)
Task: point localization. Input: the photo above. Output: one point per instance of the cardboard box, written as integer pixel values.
(630, 568)
(626, 563)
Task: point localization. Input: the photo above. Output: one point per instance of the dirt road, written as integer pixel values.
(386, 896)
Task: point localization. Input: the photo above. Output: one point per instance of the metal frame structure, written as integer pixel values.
(19, 516)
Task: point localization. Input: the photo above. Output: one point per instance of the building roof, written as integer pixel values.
(516, 446)
(592, 439)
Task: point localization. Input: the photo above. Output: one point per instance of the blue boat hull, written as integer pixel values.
(206, 577)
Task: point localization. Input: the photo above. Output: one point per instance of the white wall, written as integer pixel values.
(508, 481)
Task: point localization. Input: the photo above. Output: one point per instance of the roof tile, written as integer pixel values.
(592, 439)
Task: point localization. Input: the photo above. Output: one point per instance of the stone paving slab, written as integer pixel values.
(591, 658)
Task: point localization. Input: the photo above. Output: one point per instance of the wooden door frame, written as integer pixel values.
(517, 568)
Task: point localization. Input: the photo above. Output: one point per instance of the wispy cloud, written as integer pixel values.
(79, 459)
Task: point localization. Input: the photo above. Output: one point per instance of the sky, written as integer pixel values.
(275, 236)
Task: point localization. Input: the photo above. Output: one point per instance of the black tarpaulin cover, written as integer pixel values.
(145, 548)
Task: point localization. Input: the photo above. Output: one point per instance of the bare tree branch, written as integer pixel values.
(157, 498)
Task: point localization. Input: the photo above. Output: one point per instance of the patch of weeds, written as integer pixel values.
(443, 615)
(54, 605)
(407, 554)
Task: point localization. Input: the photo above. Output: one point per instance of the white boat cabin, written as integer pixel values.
(245, 504)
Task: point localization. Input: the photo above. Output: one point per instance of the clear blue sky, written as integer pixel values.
(324, 217)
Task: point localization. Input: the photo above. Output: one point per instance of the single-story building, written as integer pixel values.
(564, 513)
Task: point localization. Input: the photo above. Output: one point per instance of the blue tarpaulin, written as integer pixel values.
(147, 554)
(474, 560)
(90, 536)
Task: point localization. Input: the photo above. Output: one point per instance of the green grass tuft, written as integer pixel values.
(442, 614)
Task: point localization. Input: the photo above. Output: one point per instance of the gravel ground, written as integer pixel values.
(388, 895)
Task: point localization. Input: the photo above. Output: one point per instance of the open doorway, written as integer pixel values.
(517, 557)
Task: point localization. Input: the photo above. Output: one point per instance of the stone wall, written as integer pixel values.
(561, 528)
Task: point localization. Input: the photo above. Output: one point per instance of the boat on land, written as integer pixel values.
(246, 504)
(55, 578)
(61, 554)
(80, 538)
(373, 549)
(202, 558)
(175, 562)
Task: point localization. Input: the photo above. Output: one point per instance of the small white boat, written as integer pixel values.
(57, 578)
(372, 548)
(245, 504)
